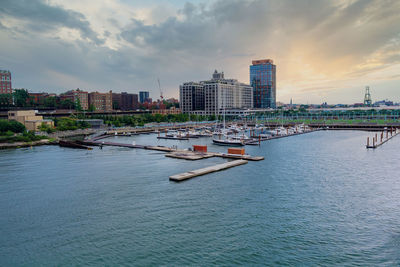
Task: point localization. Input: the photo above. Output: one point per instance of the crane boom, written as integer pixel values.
(159, 87)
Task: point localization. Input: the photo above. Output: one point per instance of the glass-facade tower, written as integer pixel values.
(263, 81)
(144, 96)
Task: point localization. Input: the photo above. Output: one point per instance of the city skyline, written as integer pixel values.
(325, 56)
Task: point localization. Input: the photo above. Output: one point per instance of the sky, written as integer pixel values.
(325, 51)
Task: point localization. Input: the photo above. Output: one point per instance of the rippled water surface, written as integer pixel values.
(317, 199)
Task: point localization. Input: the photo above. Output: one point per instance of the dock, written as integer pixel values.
(189, 155)
(172, 138)
(257, 139)
(384, 137)
(236, 156)
(187, 175)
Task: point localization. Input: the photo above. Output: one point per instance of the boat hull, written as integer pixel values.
(227, 143)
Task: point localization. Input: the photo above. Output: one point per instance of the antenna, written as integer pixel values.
(159, 87)
(367, 97)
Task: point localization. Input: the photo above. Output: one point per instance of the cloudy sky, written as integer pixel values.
(324, 50)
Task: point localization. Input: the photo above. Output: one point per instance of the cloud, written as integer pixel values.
(317, 45)
(41, 17)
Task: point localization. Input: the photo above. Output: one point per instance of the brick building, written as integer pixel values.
(101, 101)
(38, 98)
(77, 96)
(125, 101)
(5, 82)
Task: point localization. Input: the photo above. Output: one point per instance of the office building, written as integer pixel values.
(191, 97)
(5, 82)
(101, 101)
(263, 81)
(215, 95)
(144, 96)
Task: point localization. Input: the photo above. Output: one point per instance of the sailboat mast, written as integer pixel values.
(224, 113)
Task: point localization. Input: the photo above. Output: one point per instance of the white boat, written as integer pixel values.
(228, 142)
(240, 137)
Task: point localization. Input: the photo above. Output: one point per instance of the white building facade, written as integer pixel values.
(219, 94)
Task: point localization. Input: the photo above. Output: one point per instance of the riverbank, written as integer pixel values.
(27, 144)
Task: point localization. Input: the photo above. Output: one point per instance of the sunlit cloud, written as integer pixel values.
(323, 49)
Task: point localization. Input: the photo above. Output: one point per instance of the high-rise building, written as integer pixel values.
(144, 96)
(191, 96)
(215, 95)
(5, 82)
(263, 81)
(101, 101)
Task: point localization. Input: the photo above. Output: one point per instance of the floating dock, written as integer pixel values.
(257, 139)
(189, 155)
(172, 138)
(236, 156)
(187, 175)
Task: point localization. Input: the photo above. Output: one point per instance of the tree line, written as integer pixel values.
(20, 98)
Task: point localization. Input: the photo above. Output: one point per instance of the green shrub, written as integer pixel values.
(67, 124)
(13, 126)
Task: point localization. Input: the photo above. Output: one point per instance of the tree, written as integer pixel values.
(115, 105)
(78, 106)
(50, 102)
(67, 104)
(13, 126)
(5, 100)
(92, 108)
(46, 128)
(20, 97)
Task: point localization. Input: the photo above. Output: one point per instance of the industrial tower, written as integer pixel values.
(367, 97)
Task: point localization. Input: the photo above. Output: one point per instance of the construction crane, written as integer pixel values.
(159, 87)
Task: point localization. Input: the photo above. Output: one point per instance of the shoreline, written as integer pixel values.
(27, 144)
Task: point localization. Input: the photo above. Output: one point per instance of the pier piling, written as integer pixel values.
(376, 143)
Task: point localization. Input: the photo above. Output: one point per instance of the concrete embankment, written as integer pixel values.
(26, 144)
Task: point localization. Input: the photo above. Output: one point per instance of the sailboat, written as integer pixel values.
(227, 141)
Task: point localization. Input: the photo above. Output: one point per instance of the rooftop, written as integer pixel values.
(262, 61)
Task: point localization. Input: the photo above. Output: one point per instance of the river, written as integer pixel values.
(320, 198)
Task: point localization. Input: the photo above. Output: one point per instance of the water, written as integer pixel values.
(317, 199)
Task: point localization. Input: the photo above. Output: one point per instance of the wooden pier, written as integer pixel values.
(187, 175)
(176, 153)
(384, 137)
